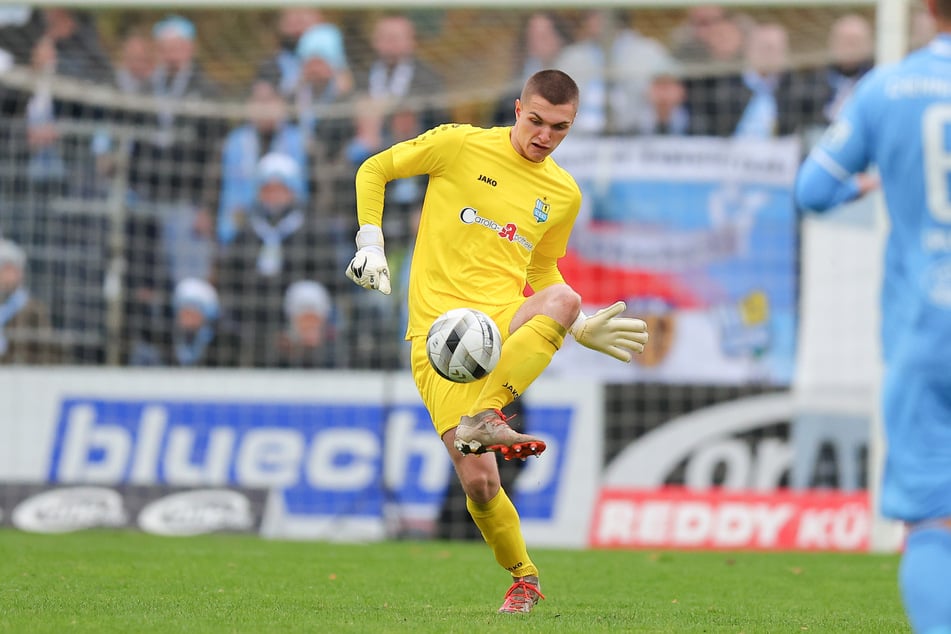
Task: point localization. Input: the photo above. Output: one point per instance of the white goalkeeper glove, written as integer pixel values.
(604, 331)
(368, 268)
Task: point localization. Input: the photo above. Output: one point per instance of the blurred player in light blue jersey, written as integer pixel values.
(900, 120)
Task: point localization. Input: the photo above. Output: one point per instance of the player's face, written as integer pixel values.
(540, 127)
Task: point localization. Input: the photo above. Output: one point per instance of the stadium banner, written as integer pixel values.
(675, 517)
(169, 511)
(699, 237)
(342, 453)
(749, 468)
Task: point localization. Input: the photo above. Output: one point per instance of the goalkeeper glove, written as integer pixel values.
(368, 268)
(605, 332)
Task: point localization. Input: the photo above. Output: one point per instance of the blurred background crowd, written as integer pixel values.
(177, 189)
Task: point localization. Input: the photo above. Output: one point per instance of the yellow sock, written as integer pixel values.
(502, 531)
(525, 355)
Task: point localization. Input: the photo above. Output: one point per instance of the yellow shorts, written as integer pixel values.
(446, 401)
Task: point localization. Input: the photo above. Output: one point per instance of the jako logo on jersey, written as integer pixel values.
(509, 231)
(541, 210)
(485, 179)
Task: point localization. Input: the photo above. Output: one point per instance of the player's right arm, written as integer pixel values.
(428, 153)
(372, 177)
(832, 173)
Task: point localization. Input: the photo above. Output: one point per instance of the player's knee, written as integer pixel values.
(565, 303)
(480, 486)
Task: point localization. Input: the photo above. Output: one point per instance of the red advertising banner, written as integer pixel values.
(676, 517)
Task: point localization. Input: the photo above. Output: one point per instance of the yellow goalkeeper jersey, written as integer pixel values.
(491, 221)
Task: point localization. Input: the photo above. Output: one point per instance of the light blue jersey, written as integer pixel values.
(900, 120)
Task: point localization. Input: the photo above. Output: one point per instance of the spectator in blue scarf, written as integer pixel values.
(283, 68)
(193, 338)
(282, 241)
(25, 333)
(267, 129)
(325, 81)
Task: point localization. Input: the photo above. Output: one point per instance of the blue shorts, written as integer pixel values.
(917, 412)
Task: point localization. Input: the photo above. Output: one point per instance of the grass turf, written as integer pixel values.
(104, 582)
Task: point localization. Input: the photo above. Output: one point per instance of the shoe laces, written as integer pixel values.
(522, 594)
(502, 417)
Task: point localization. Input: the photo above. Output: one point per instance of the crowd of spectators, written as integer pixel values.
(155, 234)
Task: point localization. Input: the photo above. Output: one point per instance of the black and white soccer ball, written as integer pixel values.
(463, 345)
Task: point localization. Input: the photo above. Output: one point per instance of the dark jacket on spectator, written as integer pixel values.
(252, 295)
(294, 355)
(169, 166)
(425, 82)
(30, 340)
(175, 351)
(717, 104)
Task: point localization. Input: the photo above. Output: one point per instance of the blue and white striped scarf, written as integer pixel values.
(8, 310)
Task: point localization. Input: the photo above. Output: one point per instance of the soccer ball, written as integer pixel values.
(463, 345)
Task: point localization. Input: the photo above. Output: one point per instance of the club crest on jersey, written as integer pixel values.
(541, 210)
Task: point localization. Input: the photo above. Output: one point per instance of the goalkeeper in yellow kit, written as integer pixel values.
(498, 213)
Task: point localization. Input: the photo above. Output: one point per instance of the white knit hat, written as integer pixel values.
(11, 253)
(197, 293)
(306, 296)
(276, 166)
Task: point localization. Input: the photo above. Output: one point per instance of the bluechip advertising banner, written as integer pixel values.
(341, 454)
(698, 236)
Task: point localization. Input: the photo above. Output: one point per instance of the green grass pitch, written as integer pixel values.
(117, 581)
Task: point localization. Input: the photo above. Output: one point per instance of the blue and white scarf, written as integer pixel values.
(384, 82)
(308, 103)
(759, 117)
(8, 310)
(289, 65)
(190, 350)
(168, 93)
(271, 256)
(240, 155)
